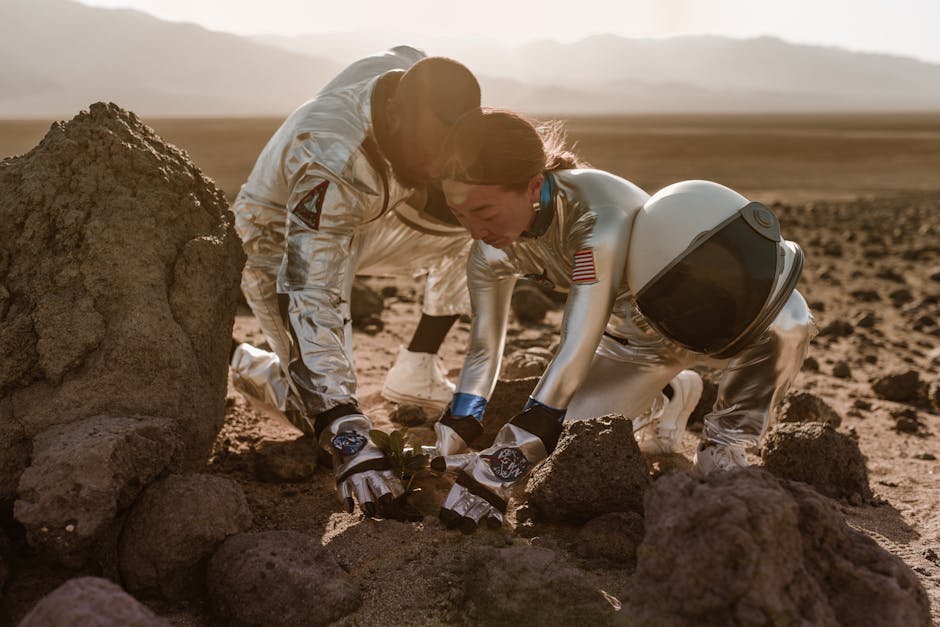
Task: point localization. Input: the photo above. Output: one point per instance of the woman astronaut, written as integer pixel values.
(694, 275)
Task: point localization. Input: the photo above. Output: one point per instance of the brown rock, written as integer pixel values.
(902, 387)
(529, 362)
(529, 304)
(91, 602)
(806, 407)
(173, 529)
(597, 468)
(281, 576)
(613, 536)
(746, 548)
(817, 454)
(83, 475)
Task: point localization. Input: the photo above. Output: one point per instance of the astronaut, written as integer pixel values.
(695, 275)
(341, 189)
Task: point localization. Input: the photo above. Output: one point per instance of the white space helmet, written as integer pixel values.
(708, 268)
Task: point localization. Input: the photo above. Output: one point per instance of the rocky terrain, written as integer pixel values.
(137, 490)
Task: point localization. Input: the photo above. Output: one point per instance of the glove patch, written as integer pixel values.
(508, 464)
(348, 443)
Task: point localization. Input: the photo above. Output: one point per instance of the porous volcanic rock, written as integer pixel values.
(746, 548)
(120, 270)
(614, 536)
(806, 407)
(254, 577)
(902, 387)
(91, 602)
(817, 454)
(364, 304)
(85, 473)
(597, 468)
(174, 528)
(530, 585)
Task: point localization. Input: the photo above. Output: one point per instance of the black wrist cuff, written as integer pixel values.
(540, 422)
(467, 427)
(323, 420)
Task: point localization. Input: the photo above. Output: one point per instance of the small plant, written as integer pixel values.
(405, 462)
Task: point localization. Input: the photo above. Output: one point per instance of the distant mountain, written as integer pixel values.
(608, 73)
(58, 56)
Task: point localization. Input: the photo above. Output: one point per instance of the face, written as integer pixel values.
(416, 140)
(492, 213)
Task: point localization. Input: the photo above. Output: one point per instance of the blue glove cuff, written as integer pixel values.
(468, 405)
(558, 413)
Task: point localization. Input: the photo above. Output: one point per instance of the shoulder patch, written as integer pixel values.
(310, 206)
(584, 272)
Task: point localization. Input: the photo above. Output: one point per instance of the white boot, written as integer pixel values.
(664, 435)
(711, 457)
(419, 379)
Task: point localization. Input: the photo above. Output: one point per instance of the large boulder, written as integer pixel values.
(596, 469)
(173, 529)
(746, 548)
(278, 577)
(83, 475)
(91, 602)
(119, 274)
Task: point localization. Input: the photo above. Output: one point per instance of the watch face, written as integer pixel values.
(348, 443)
(508, 464)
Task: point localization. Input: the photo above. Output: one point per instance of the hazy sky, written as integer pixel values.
(905, 27)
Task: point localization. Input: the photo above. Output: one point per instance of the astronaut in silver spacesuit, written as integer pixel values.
(342, 189)
(694, 276)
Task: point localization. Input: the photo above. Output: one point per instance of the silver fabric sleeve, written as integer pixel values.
(491, 285)
(605, 233)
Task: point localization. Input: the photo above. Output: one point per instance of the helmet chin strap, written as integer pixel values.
(544, 209)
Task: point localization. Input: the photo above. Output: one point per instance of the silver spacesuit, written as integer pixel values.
(319, 207)
(610, 358)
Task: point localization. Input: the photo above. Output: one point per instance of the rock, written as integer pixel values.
(757, 550)
(810, 364)
(290, 461)
(508, 398)
(906, 421)
(837, 328)
(173, 529)
(867, 320)
(529, 362)
(613, 536)
(817, 454)
(865, 295)
(841, 370)
(900, 296)
(529, 304)
(902, 387)
(287, 576)
(91, 602)
(364, 304)
(806, 407)
(408, 415)
(122, 269)
(83, 475)
(530, 585)
(597, 468)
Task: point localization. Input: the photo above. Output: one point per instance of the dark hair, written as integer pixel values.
(498, 147)
(445, 86)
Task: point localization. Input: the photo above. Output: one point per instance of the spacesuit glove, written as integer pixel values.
(454, 435)
(361, 468)
(485, 480)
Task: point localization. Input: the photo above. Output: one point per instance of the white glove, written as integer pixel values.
(360, 467)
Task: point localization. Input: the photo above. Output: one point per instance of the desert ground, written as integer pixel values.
(843, 186)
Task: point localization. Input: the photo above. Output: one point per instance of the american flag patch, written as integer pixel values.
(584, 272)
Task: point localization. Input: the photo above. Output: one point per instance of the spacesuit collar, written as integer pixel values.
(546, 212)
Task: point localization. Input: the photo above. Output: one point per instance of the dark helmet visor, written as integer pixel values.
(708, 297)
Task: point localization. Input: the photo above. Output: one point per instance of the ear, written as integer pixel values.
(534, 188)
